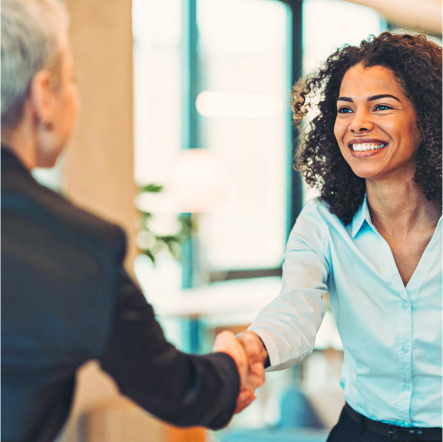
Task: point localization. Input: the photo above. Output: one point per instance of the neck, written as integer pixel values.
(399, 207)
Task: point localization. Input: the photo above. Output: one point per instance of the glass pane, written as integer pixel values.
(157, 75)
(157, 28)
(244, 88)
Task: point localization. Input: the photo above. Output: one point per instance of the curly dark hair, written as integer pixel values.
(417, 64)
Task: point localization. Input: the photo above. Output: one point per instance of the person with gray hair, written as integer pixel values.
(37, 80)
(66, 298)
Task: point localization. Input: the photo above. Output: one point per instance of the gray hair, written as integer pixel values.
(32, 36)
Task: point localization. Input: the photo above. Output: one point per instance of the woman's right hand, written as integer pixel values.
(257, 355)
(251, 373)
(254, 348)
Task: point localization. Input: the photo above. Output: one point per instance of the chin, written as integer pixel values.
(46, 162)
(364, 169)
(48, 159)
(50, 146)
(362, 172)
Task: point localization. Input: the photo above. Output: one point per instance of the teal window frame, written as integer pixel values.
(191, 139)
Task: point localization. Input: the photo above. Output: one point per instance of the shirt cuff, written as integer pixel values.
(267, 362)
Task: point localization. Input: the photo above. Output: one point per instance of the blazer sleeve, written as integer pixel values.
(181, 389)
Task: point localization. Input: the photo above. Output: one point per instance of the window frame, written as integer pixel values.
(191, 139)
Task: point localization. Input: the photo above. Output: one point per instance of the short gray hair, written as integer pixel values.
(32, 33)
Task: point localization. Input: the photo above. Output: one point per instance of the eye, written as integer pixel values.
(382, 107)
(344, 110)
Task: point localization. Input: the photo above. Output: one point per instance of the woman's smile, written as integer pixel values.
(376, 125)
(366, 147)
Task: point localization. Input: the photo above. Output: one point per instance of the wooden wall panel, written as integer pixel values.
(98, 168)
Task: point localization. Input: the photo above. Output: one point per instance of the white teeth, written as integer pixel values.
(361, 147)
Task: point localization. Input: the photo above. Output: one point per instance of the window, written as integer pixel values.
(244, 71)
(217, 74)
(158, 116)
(157, 28)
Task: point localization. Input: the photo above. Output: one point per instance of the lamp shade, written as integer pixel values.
(200, 182)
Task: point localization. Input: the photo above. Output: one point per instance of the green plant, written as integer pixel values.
(151, 243)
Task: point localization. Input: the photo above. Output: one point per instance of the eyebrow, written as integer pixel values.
(371, 98)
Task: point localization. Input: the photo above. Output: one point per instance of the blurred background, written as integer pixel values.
(185, 139)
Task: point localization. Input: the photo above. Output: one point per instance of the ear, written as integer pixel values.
(42, 97)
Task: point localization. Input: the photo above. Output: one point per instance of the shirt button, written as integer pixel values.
(405, 348)
(405, 305)
(406, 387)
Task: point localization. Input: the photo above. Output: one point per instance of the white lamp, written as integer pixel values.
(199, 183)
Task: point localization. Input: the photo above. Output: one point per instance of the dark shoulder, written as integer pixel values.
(26, 202)
(81, 221)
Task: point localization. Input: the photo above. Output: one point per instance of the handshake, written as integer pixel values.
(250, 355)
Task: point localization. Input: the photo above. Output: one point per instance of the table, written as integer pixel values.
(237, 301)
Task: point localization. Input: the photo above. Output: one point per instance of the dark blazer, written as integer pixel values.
(66, 299)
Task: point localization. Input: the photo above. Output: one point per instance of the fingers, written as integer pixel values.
(258, 370)
(256, 354)
(254, 377)
(225, 342)
(253, 346)
(248, 353)
(245, 398)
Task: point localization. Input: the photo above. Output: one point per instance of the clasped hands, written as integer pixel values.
(249, 355)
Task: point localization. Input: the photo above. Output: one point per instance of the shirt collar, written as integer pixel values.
(363, 215)
(360, 217)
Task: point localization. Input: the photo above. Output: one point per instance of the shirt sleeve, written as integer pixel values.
(179, 388)
(288, 325)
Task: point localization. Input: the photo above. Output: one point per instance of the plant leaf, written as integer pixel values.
(154, 188)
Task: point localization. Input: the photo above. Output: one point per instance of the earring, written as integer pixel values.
(48, 125)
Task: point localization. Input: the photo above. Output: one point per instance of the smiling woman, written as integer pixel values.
(403, 66)
(372, 240)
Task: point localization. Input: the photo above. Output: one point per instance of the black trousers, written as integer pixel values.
(347, 430)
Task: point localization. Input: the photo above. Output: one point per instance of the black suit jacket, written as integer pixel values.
(65, 300)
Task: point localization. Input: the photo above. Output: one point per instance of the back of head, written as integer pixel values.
(32, 36)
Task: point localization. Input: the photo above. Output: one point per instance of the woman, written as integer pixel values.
(372, 239)
(66, 298)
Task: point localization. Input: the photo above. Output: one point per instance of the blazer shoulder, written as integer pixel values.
(81, 222)
(47, 209)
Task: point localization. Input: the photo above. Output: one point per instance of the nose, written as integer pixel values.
(361, 122)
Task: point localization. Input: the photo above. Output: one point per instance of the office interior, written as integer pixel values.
(185, 140)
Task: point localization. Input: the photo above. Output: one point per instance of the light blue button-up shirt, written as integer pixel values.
(391, 334)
